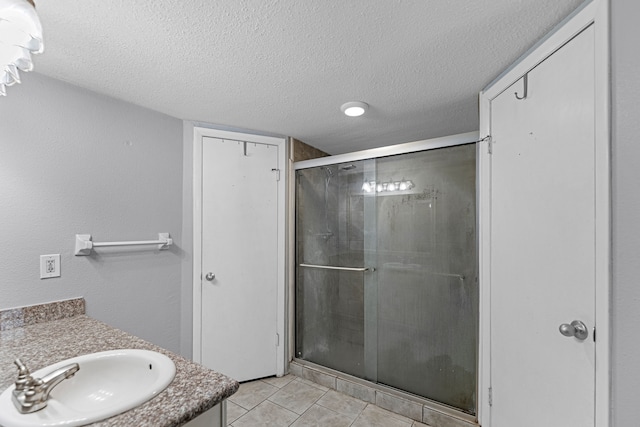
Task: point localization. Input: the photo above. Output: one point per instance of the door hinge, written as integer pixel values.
(277, 171)
(490, 396)
(594, 334)
(277, 340)
(489, 144)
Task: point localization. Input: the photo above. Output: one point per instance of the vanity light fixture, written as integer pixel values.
(383, 187)
(354, 108)
(20, 37)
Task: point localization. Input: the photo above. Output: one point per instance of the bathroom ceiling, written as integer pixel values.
(284, 67)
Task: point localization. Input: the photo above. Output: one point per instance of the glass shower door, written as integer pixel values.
(334, 228)
(426, 264)
(386, 284)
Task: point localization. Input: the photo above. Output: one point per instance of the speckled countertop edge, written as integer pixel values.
(194, 390)
(34, 314)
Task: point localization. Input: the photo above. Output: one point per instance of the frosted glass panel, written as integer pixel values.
(427, 290)
(330, 230)
(412, 322)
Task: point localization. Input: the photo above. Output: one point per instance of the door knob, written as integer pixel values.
(575, 329)
(210, 277)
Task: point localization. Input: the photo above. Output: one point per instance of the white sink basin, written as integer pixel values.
(107, 384)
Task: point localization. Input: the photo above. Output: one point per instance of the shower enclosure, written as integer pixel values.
(386, 286)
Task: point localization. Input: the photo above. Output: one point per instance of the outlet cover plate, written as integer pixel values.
(49, 266)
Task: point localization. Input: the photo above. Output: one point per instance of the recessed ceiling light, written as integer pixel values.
(354, 108)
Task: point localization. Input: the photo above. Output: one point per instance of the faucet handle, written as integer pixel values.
(22, 369)
(24, 376)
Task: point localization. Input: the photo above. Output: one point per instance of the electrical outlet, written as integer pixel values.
(49, 266)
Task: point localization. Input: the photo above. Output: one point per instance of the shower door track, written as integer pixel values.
(392, 150)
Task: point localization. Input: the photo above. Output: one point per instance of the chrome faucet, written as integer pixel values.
(31, 394)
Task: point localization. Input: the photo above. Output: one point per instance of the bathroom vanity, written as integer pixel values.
(45, 334)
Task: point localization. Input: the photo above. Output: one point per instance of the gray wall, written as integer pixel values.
(625, 65)
(72, 161)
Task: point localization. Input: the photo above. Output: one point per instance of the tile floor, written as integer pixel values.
(296, 402)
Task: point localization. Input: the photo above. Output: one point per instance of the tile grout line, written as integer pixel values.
(360, 413)
(332, 410)
(299, 415)
(249, 410)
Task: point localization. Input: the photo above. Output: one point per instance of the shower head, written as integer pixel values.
(327, 170)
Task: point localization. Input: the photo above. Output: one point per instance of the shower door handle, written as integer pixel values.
(333, 267)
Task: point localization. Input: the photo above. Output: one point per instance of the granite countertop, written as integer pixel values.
(41, 342)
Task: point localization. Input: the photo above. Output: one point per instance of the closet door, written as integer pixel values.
(239, 258)
(543, 244)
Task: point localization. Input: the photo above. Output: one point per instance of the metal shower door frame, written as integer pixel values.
(371, 297)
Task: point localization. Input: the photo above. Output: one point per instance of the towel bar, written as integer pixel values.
(84, 244)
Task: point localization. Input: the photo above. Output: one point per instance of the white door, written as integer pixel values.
(543, 243)
(239, 248)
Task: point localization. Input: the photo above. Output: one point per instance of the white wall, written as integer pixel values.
(72, 161)
(186, 331)
(625, 34)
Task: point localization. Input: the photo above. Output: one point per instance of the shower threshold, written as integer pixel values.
(399, 402)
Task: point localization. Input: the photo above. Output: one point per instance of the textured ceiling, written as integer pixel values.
(285, 66)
